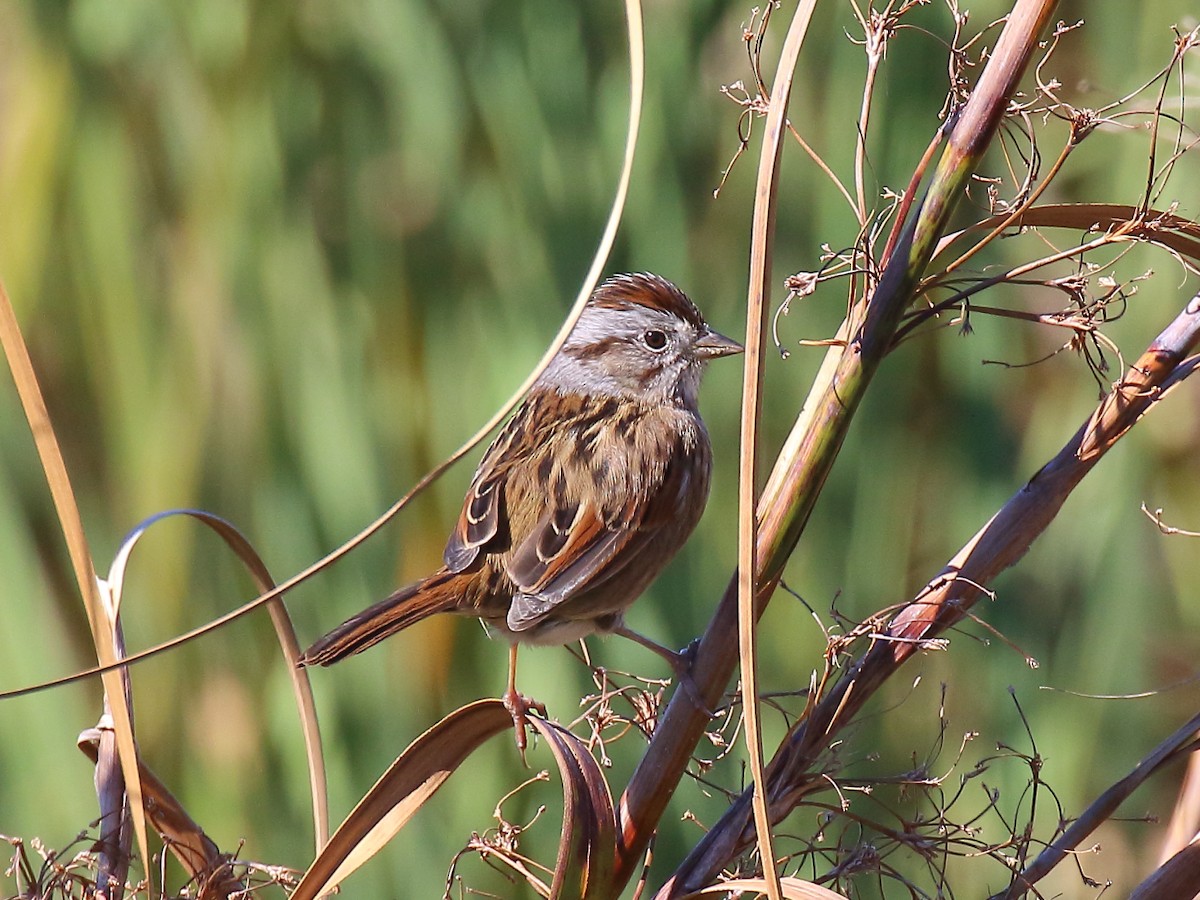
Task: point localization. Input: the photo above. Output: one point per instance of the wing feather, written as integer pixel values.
(576, 548)
(479, 521)
(555, 562)
(595, 519)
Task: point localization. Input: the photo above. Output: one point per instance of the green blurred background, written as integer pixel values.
(277, 260)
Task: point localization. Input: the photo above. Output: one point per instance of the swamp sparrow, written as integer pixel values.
(585, 495)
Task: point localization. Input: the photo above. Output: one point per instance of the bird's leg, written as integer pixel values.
(517, 705)
(680, 662)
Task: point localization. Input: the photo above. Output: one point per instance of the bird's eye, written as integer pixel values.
(655, 339)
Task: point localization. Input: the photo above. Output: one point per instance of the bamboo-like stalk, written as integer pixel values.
(808, 456)
(946, 599)
(1005, 538)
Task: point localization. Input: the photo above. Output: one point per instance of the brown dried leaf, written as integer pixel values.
(196, 852)
(402, 790)
(793, 889)
(587, 851)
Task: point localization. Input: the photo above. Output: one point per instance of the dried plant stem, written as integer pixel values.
(1020, 209)
(875, 42)
(824, 167)
(806, 460)
(1182, 741)
(976, 126)
(101, 618)
(757, 311)
(1178, 877)
(637, 81)
(1166, 229)
(947, 597)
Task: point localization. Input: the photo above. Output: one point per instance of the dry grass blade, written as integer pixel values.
(757, 309)
(793, 889)
(587, 851)
(200, 857)
(1164, 228)
(284, 631)
(402, 790)
(100, 619)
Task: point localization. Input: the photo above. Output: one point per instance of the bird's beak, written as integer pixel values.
(711, 345)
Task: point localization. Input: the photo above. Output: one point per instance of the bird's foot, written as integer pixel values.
(519, 706)
(680, 662)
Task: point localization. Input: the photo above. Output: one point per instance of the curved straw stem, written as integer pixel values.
(600, 260)
(757, 309)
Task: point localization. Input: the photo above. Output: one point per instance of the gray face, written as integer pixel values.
(631, 351)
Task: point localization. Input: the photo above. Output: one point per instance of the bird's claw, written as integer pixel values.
(681, 665)
(519, 706)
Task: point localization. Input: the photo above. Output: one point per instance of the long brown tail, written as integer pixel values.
(440, 592)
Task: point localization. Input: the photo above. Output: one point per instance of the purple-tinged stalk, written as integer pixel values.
(808, 456)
